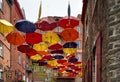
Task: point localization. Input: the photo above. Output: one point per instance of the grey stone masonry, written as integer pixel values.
(113, 56)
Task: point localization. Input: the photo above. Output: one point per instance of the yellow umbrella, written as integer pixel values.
(69, 50)
(51, 38)
(5, 26)
(53, 63)
(36, 57)
(40, 46)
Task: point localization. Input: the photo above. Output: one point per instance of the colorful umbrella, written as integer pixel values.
(36, 57)
(69, 50)
(33, 38)
(5, 26)
(61, 61)
(68, 23)
(73, 60)
(42, 63)
(51, 37)
(46, 57)
(58, 57)
(70, 45)
(53, 63)
(69, 34)
(31, 53)
(46, 24)
(43, 52)
(25, 49)
(40, 46)
(25, 26)
(56, 52)
(55, 46)
(15, 38)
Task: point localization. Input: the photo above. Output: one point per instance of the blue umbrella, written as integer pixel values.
(42, 63)
(56, 68)
(58, 57)
(25, 26)
(70, 45)
(72, 60)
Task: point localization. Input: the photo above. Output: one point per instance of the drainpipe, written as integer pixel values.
(10, 2)
(10, 44)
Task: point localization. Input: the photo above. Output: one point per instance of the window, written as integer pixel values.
(79, 29)
(23, 63)
(19, 59)
(79, 57)
(1, 73)
(59, 29)
(1, 4)
(79, 44)
(1, 50)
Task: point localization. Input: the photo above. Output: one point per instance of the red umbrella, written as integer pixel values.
(55, 46)
(69, 34)
(25, 48)
(33, 38)
(46, 57)
(61, 61)
(56, 52)
(46, 23)
(15, 38)
(31, 53)
(68, 23)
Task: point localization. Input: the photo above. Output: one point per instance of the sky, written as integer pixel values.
(50, 8)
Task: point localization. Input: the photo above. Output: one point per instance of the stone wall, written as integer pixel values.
(104, 16)
(113, 56)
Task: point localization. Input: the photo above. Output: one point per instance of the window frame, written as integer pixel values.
(1, 4)
(1, 50)
(1, 72)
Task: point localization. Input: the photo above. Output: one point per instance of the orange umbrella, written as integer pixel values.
(69, 34)
(15, 38)
(43, 52)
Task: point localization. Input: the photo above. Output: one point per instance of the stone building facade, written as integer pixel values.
(101, 58)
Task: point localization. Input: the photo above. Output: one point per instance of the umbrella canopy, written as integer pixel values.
(73, 60)
(70, 45)
(43, 52)
(42, 63)
(46, 24)
(58, 57)
(55, 46)
(36, 57)
(15, 38)
(69, 34)
(56, 52)
(68, 23)
(46, 57)
(61, 61)
(51, 37)
(53, 63)
(5, 26)
(40, 46)
(69, 50)
(25, 49)
(25, 26)
(32, 53)
(33, 38)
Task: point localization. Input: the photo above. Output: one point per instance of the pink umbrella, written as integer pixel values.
(46, 24)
